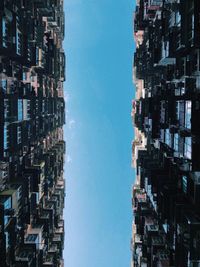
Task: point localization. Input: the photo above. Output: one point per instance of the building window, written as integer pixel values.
(167, 138)
(184, 184)
(172, 19)
(4, 32)
(188, 106)
(5, 136)
(190, 22)
(7, 239)
(4, 85)
(3, 27)
(19, 135)
(26, 109)
(178, 19)
(18, 42)
(192, 26)
(7, 204)
(24, 76)
(165, 49)
(37, 55)
(188, 147)
(176, 142)
(18, 38)
(6, 108)
(20, 110)
(180, 112)
(177, 110)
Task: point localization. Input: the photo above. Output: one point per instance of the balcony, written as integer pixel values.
(166, 58)
(15, 197)
(34, 235)
(24, 256)
(163, 259)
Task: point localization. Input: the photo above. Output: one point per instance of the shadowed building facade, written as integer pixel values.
(166, 111)
(32, 187)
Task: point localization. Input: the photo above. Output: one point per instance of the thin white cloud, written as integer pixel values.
(69, 159)
(71, 124)
(66, 97)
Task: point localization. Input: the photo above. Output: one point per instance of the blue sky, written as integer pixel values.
(98, 92)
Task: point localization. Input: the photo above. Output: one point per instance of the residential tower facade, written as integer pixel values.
(32, 187)
(165, 112)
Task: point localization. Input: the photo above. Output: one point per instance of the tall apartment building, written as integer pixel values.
(32, 188)
(166, 116)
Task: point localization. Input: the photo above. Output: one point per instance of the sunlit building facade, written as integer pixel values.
(166, 110)
(32, 187)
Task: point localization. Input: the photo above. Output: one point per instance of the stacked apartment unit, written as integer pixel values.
(32, 188)
(166, 116)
